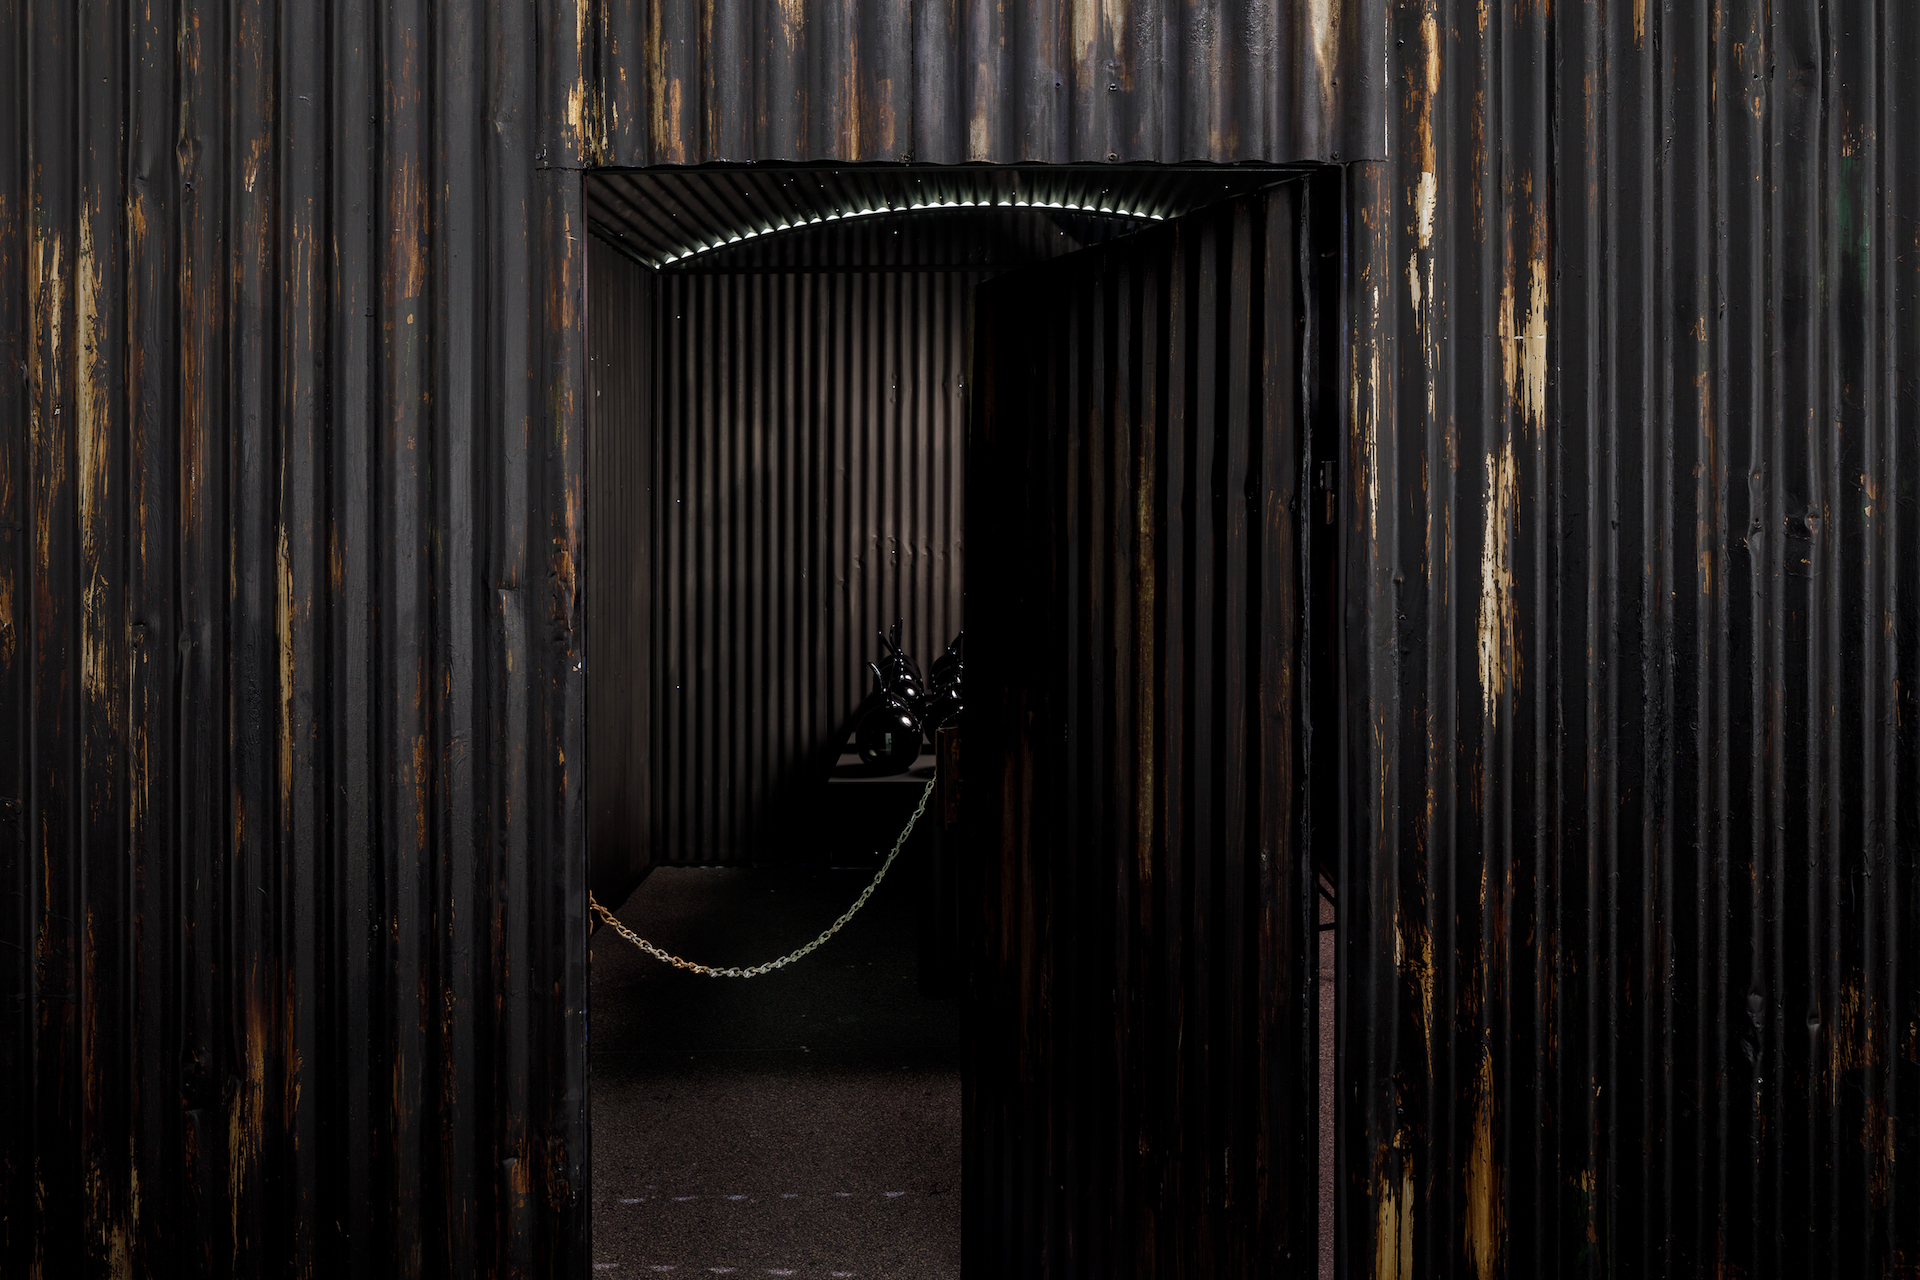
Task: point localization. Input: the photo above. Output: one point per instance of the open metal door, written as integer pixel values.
(1141, 1071)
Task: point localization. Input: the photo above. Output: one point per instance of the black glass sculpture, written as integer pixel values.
(888, 733)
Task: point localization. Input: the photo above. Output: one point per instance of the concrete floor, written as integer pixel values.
(805, 1123)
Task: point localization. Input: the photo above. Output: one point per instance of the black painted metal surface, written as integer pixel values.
(293, 944)
(954, 82)
(290, 802)
(1141, 1071)
(1632, 903)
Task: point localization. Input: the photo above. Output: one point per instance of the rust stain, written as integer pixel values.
(7, 632)
(1496, 625)
(1703, 521)
(1486, 1206)
(283, 624)
(246, 1113)
(420, 791)
(1639, 24)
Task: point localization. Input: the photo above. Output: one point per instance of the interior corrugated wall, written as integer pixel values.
(811, 412)
(1632, 903)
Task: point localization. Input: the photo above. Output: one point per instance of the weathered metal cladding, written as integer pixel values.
(1140, 1089)
(294, 948)
(959, 81)
(617, 571)
(807, 441)
(1632, 906)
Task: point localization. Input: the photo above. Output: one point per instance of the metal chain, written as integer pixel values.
(785, 960)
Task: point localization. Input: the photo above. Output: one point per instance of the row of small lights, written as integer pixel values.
(931, 204)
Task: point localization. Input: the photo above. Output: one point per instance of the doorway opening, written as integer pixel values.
(780, 395)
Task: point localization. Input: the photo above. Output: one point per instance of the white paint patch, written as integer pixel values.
(1413, 285)
(1426, 195)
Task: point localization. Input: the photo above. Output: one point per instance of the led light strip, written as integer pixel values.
(697, 250)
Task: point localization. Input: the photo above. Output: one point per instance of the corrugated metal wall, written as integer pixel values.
(1632, 901)
(811, 410)
(618, 572)
(1140, 1086)
(955, 82)
(293, 941)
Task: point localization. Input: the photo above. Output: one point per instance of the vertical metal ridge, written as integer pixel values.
(1698, 743)
(273, 987)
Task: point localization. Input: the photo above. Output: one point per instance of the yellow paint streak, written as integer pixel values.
(1486, 1208)
(1524, 345)
(283, 624)
(49, 285)
(584, 114)
(1639, 24)
(1496, 582)
(1393, 1230)
(91, 444)
(1323, 26)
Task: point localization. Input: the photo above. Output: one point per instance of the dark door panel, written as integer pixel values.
(1140, 1094)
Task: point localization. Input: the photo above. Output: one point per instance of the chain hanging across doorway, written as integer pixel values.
(757, 970)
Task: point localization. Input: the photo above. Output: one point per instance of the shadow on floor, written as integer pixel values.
(805, 1123)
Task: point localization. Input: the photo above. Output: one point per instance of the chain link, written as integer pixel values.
(785, 960)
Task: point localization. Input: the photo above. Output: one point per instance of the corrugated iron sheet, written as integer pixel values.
(946, 82)
(1632, 906)
(1140, 1089)
(294, 942)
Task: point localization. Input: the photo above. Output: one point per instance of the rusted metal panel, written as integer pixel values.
(950, 82)
(1141, 1075)
(289, 643)
(1630, 902)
